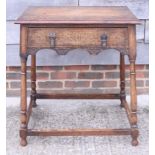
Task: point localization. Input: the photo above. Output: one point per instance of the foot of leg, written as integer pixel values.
(134, 135)
(23, 142)
(122, 103)
(134, 142)
(34, 104)
(23, 135)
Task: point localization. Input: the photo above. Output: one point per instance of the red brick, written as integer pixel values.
(112, 90)
(17, 84)
(76, 84)
(15, 68)
(139, 74)
(63, 75)
(15, 76)
(127, 74)
(85, 90)
(90, 75)
(112, 75)
(57, 72)
(143, 91)
(139, 83)
(77, 67)
(139, 91)
(147, 83)
(50, 84)
(42, 76)
(98, 84)
(138, 67)
(7, 85)
(7, 69)
(147, 67)
(103, 67)
(49, 68)
(142, 74)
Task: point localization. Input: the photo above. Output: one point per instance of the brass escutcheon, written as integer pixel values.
(104, 39)
(52, 37)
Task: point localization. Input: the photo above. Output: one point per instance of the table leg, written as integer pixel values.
(33, 80)
(23, 104)
(133, 92)
(134, 132)
(122, 80)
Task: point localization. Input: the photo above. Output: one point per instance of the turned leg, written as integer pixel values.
(33, 80)
(23, 104)
(122, 80)
(133, 106)
(133, 92)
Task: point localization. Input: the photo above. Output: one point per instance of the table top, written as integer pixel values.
(78, 15)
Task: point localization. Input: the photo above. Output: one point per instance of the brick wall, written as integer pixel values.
(95, 78)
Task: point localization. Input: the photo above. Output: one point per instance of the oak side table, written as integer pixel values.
(63, 29)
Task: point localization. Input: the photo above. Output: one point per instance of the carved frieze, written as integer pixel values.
(64, 51)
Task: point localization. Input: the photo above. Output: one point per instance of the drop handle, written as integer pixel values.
(104, 39)
(52, 37)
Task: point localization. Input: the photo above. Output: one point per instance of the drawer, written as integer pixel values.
(76, 37)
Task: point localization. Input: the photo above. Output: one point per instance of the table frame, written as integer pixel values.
(25, 112)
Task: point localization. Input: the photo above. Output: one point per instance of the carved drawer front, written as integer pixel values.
(77, 37)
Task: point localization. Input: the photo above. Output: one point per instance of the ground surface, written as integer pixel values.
(72, 114)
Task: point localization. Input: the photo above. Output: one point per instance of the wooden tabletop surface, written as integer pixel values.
(78, 15)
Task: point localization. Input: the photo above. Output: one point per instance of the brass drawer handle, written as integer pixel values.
(52, 37)
(104, 39)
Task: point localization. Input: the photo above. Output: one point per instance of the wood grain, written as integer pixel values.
(133, 90)
(35, 29)
(78, 37)
(23, 102)
(78, 132)
(77, 15)
(77, 96)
